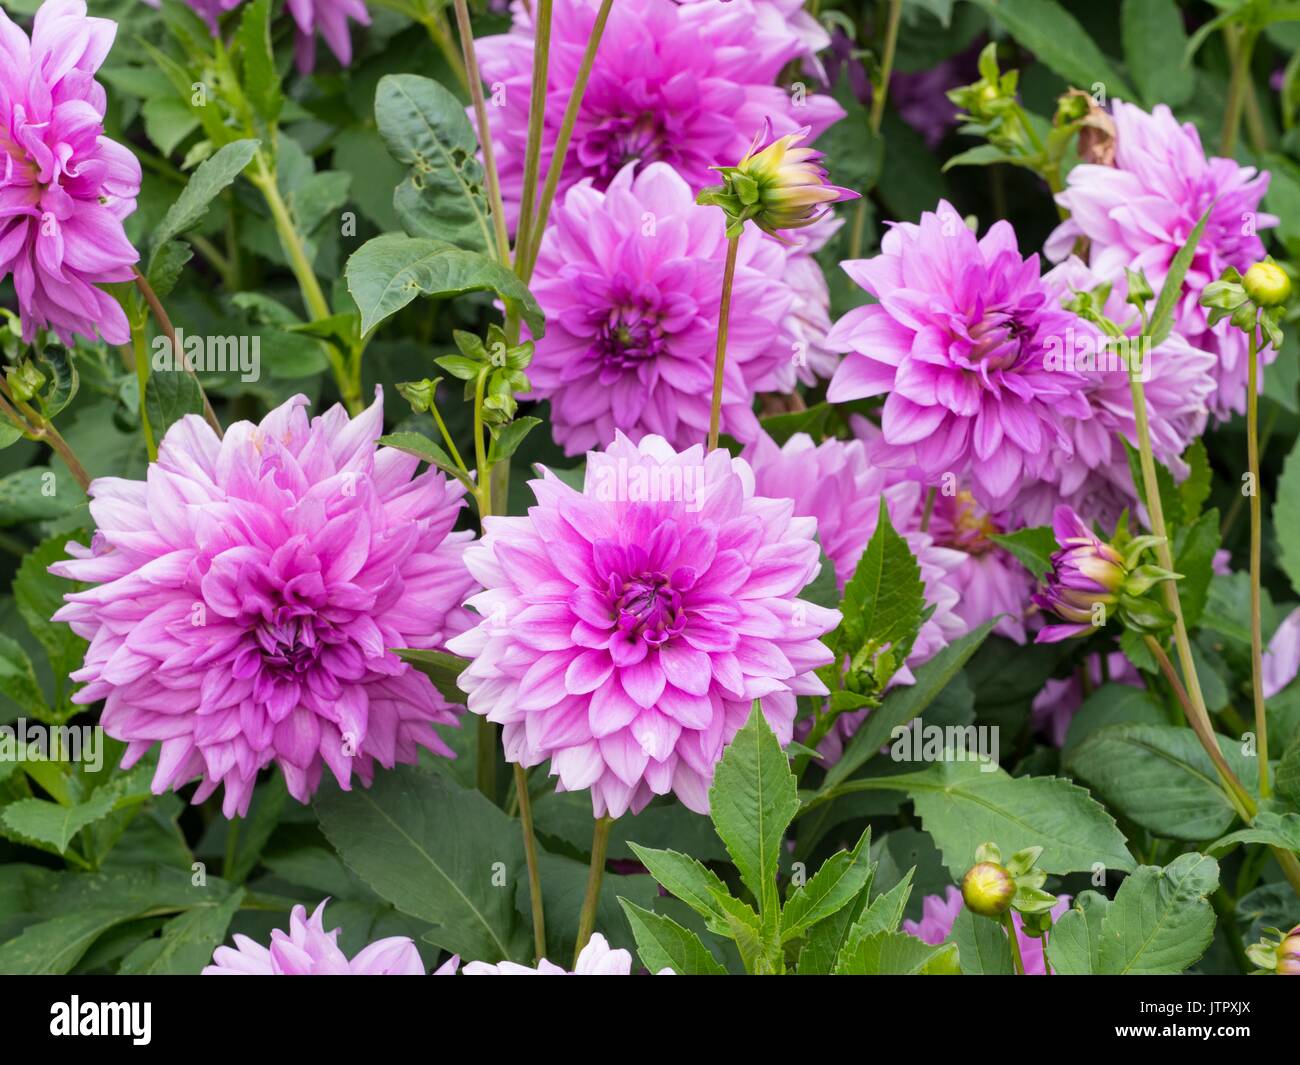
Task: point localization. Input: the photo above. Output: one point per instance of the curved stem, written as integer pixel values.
(881, 90)
(720, 359)
(536, 119)
(475, 86)
(555, 170)
(530, 857)
(1241, 47)
(168, 330)
(595, 872)
(1256, 538)
(42, 430)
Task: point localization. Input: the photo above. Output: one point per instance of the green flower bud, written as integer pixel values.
(1267, 284)
(987, 889)
(1288, 953)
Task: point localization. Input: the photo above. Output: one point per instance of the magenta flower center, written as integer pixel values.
(628, 339)
(648, 606)
(617, 141)
(996, 341)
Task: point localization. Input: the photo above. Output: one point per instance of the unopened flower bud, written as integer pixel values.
(1288, 954)
(987, 889)
(1267, 284)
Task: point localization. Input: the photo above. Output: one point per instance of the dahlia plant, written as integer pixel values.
(626, 487)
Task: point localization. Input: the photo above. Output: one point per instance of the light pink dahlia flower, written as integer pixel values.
(631, 282)
(627, 628)
(1139, 213)
(685, 84)
(596, 959)
(958, 343)
(247, 594)
(64, 186)
(1282, 657)
(308, 950)
(939, 914)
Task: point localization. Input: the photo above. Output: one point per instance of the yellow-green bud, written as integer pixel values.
(987, 889)
(1267, 284)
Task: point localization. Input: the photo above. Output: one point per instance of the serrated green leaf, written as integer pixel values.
(662, 943)
(982, 944)
(261, 80)
(697, 886)
(885, 598)
(841, 879)
(1160, 921)
(1074, 944)
(1274, 829)
(897, 954)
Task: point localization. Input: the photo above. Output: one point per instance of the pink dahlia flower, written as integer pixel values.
(631, 282)
(1139, 213)
(1055, 706)
(958, 343)
(833, 482)
(247, 594)
(64, 186)
(308, 950)
(627, 628)
(939, 913)
(1093, 474)
(685, 84)
(329, 18)
(1282, 657)
(596, 959)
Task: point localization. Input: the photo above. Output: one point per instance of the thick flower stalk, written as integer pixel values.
(631, 280)
(628, 627)
(246, 596)
(958, 342)
(64, 187)
(308, 950)
(681, 83)
(1092, 581)
(1138, 213)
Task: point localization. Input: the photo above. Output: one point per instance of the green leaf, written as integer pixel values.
(1057, 40)
(699, 887)
(507, 442)
(905, 702)
(422, 447)
(1286, 515)
(18, 680)
(387, 273)
(38, 594)
(439, 667)
(1195, 488)
(1159, 777)
(443, 196)
(884, 912)
(1033, 548)
(1111, 704)
(261, 81)
(1196, 545)
(1160, 922)
(434, 850)
(982, 944)
(1287, 778)
(1162, 317)
(169, 396)
(962, 807)
(186, 943)
(897, 954)
(47, 822)
(1154, 43)
(212, 177)
(662, 943)
(1273, 829)
(841, 879)
(1074, 944)
(752, 802)
(885, 598)
(37, 493)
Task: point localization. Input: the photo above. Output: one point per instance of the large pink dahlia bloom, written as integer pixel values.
(958, 342)
(686, 84)
(308, 950)
(247, 594)
(64, 186)
(627, 628)
(1139, 213)
(631, 282)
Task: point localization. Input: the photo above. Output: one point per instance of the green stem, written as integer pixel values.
(928, 511)
(42, 430)
(347, 377)
(1018, 963)
(440, 35)
(475, 85)
(232, 846)
(178, 357)
(1256, 539)
(881, 89)
(530, 856)
(595, 872)
(1242, 48)
(139, 348)
(558, 156)
(536, 119)
(720, 359)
